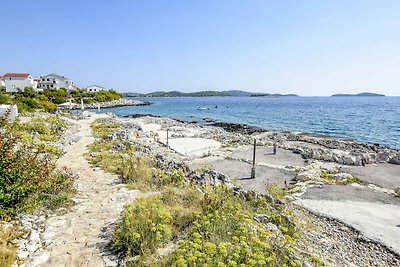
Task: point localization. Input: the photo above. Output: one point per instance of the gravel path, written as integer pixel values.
(339, 244)
(79, 237)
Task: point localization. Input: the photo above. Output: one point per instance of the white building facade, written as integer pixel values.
(15, 82)
(55, 81)
(95, 88)
(2, 83)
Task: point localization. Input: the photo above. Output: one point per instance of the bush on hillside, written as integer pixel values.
(27, 176)
(211, 228)
(29, 100)
(104, 96)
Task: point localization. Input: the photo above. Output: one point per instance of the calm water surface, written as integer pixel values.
(364, 119)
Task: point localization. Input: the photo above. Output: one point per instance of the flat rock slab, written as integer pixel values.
(349, 193)
(377, 221)
(264, 155)
(385, 175)
(240, 172)
(150, 127)
(193, 146)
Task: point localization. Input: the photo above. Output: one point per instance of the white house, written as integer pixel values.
(95, 88)
(54, 81)
(2, 83)
(18, 81)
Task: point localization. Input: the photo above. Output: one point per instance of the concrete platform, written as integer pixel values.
(240, 171)
(196, 147)
(349, 193)
(385, 175)
(264, 155)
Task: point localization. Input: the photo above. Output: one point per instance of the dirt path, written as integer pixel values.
(79, 237)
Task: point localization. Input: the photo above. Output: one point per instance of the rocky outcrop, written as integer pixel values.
(116, 103)
(395, 159)
(236, 127)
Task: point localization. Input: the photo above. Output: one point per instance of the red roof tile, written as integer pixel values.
(16, 75)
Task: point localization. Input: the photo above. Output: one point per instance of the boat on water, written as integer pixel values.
(200, 108)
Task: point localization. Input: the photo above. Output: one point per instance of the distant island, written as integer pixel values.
(360, 94)
(236, 93)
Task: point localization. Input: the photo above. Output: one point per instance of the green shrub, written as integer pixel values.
(397, 192)
(145, 225)
(275, 191)
(31, 101)
(27, 176)
(214, 228)
(103, 96)
(48, 128)
(102, 128)
(5, 98)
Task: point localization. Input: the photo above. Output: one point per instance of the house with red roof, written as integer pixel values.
(15, 82)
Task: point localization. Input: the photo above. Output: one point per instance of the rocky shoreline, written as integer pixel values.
(116, 103)
(310, 146)
(321, 147)
(334, 240)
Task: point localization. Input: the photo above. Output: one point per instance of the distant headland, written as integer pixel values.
(360, 94)
(230, 93)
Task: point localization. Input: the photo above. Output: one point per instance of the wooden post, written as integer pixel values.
(253, 168)
(167, 138)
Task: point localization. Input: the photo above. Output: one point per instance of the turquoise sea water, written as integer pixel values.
(364, 119)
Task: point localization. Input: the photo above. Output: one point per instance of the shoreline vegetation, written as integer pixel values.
(29, 101)
(29, 179)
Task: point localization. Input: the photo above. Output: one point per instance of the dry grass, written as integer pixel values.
(137, 172)
(8, 250)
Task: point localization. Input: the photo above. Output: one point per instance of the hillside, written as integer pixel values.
(232, 93)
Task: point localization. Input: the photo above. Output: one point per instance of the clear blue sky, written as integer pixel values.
(306, 47)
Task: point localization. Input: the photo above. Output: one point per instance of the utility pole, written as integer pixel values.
(253, 168)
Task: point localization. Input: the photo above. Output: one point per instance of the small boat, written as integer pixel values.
(200, 108)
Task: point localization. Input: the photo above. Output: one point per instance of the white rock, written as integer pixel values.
(23, 254)
(39, 260)
(342, 176)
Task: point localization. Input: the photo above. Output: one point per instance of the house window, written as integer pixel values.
(48, 80)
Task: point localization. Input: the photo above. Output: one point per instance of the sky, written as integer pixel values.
(310, 47)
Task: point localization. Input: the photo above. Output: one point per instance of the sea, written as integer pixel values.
(371, 120)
